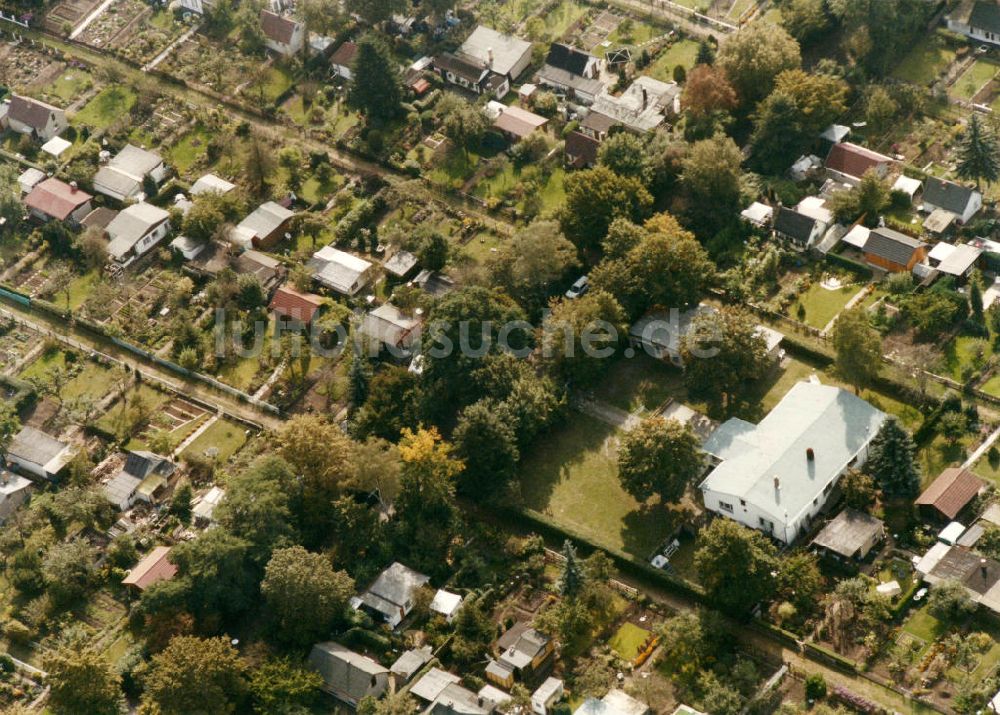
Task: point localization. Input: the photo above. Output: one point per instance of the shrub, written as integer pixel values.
(815, 687)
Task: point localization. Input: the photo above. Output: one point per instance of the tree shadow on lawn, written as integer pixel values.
(645, 529)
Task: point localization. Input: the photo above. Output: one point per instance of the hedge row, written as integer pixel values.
(849, 264)
(626, 563)
(831, 658)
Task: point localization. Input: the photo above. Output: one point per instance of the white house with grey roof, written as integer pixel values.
(38, 453)
(135, 230)
(122, 177)
(264, 227)
(348, 676)
(976, 19)
(775, 476)
(391, 596)
(962, 201)
(340, 271)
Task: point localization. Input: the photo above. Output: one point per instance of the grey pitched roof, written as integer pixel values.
(31, 111)
(266, 219)
(348, 675)
(135, 161)
(131, 224)
(410, 663)
(507, 50)
(985, 15)
(33, 445)
(947, 195)
(568, 58)
(848, 532)
(141, 464)
(892, 245)
(461, 65)
(832, 422)
(397, 583)
(791, 223)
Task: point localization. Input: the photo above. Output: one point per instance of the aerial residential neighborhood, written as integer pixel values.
(475, 357)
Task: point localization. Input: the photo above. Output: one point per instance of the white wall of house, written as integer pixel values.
(152, 238)
(974, 32)
(971, 209)
(290, 48)
(53, 127)
(783, 527)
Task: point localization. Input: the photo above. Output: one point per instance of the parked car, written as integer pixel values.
(581, 286)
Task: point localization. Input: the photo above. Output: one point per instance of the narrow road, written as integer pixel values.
(982, 449)
(170, 48)
(98, 11)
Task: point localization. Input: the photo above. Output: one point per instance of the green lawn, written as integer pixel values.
(988, 470)
(110, 104)
(80, 287)
(965, 352)
(455, 166)
(924, 626)
(559, 20)
(642, 383)
(925, 63)
(639, 33)
(67, 86)
(822, 305)
(573, 479)
(981, 72)
(279, 81)
(627, 641)
(185, 153)
(150, 398)
(225, 436)
(682, 52)
(91, 380)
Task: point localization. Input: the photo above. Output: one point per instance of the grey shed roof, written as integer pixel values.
(135, 161)
(892, 245)
(791, 223)
(433, 684)
(985, 15)
(141, 464)
(849, 532)
(401, 263)
(347, 674)
(131, 224)
(265, 219)
(947, 195)
(834, 423)
(397, 583)
(456, 700)
(507, 50)
(33, 445)
(410, 663)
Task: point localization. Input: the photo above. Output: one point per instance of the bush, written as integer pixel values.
(815, 687)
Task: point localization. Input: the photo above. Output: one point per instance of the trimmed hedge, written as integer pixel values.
(776, 632)
(849, 264)
(628, 564)
(829, 657)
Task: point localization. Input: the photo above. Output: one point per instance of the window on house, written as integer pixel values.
(743, 502)
(725, 506)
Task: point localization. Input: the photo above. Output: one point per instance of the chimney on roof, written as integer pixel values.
(982, 567)
(72, 186)
(489, 56)
(645, 97)
(777, 483)
(810, 454)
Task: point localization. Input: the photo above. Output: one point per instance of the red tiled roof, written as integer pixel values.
(290, 303)
(951, 491)
(420, 86)
(155, 567)
(56, 199)
(854, 160)
(345, 54)
(277, 28)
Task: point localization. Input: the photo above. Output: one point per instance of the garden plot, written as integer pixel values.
(115, 24)
(221, 67)
(597, 32)
(69, 13)
(977, 83)
(16, 342)
(21, 66)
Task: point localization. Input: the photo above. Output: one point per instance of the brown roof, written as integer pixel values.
(30, 111)
(100, 217)
(155, 567)
(518, 122)
(854, 160)
(581, 149)
(56, 199)
(951, 491)
(290, 303)
(277, 28)
(345, 54)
